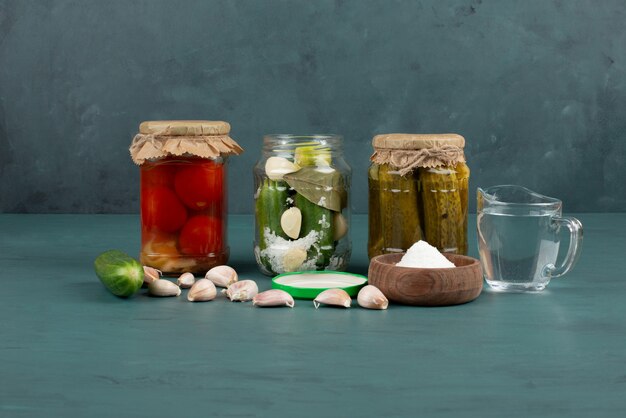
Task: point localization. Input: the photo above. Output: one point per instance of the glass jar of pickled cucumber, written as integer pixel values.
(302, 192)
(418, 188)
(183, 193)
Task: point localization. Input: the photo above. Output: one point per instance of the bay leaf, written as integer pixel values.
(322, 188)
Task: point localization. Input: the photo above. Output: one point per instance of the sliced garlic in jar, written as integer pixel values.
(293, 259)
(291, 222)
(277, 167)
(340, 226)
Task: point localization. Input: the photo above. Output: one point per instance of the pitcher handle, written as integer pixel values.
(575, 245)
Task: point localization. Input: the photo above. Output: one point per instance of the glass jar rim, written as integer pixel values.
(329, 140)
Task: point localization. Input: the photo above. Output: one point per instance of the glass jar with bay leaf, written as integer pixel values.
(418, 185)
(302, 190)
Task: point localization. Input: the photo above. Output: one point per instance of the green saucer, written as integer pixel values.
(309, 284)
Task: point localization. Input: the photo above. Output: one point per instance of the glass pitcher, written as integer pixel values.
(519, 236)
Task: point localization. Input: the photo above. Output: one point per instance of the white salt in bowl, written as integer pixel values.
(427, 286)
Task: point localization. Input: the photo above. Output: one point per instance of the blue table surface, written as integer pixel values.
(69, 348)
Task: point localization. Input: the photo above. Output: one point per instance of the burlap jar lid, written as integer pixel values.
(185, 127)
(417, 141)
(201, 138)
(406, 152)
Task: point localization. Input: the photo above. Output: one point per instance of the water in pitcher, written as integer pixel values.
(515, 249)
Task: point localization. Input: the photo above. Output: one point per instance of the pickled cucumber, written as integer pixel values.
(312, 155)
(319, 219)
(463, 174)
(399, 208)
(270, 205)
(443, 212)
(375, 238)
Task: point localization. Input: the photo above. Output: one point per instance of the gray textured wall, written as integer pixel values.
(538, 88)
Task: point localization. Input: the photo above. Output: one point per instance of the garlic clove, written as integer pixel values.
(370, 297)
(150, 274)
(186, 280)
(163, 288)
(241, 291)
(222, 276)
(274, 297)
(291, 221)
(277, 167)
(293, 259)
(335, 297)
(340, 226)
(202, 290)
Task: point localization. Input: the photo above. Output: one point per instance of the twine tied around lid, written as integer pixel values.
(159, 143)
(406, 152)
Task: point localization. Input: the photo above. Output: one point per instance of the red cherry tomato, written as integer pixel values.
(201, 236)
(160, 208)
(157, 174)
(200, 186)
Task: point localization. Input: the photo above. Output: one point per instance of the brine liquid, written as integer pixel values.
(183, 214)
(516, 249)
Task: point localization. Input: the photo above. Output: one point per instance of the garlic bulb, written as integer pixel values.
(163, 288)
(203, 290)
(241, 291)
(291, 221)
(277, 167)
(274, 297)
(370, 297)
(222, 276)
(335, 297)
(186, 280)
(150, 274)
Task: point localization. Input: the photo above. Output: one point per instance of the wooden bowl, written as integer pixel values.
(425, 286)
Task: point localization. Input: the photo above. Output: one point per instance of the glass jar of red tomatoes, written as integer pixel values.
(183, 193)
